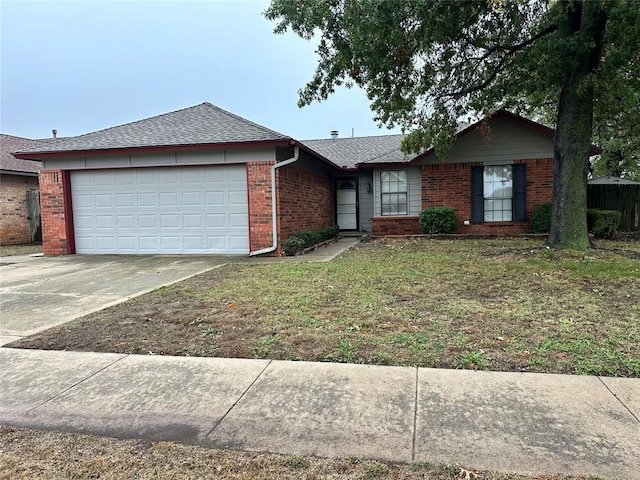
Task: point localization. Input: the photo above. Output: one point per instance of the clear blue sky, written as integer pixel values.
(80, 66)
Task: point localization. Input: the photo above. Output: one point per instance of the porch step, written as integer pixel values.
(354, 234)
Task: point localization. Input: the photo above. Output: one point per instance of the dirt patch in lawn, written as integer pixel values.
(509, 305)
(32, 454)
(26, 249)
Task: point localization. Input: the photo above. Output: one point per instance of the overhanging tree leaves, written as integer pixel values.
(425, 64)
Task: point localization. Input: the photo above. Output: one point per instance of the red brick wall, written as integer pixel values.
(53, 211)
(305, 201)
(259, 186)
(401, 225)
(449, 185)
(14, 225)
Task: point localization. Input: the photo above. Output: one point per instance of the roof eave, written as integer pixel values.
(370, 166)
(20, 173)
(151, 149)
(316, 155)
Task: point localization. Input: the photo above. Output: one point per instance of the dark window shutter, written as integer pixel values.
(520, 192)
(477, 195)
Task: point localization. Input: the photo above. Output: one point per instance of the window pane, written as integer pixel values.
(402, 204)
(498, 193)
(393, 197)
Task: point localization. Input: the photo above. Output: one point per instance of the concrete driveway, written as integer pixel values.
(37, 293)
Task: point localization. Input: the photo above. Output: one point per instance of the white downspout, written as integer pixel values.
(274, 212)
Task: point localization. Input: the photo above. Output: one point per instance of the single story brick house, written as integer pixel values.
(203, 180)
(18, 192)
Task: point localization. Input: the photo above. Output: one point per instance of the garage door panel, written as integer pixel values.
(105, 244)
(192, 199)
(148, 244)
(125, 200)
(167, 176)
(168, 199)
(147, 199)
(192, 176)
(101, 200)
(167, 210)
(147, 221)
(238, 220)
(238, 242)
(192, 221)
(127, 243)
(169, 221)
(101, 221)
(84, 201)
(170, 243)
(126, 221)
(147, 177)
(237, 197)
(85, 221)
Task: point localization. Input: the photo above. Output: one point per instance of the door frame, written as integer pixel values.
(356, 181)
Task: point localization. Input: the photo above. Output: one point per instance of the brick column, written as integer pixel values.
(55, 211)
(260, 197)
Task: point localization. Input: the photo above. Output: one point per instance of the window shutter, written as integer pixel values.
(520, 192)
(477, 195)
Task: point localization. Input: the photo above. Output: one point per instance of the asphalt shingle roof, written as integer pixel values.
(350, 152)
(198, 125)
(10, 144)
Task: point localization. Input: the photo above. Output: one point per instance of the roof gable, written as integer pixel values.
(203, 124)
(544, 133)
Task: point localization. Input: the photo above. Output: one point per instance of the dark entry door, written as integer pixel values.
(33, 215)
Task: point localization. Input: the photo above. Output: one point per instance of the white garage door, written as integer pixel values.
(161, 210)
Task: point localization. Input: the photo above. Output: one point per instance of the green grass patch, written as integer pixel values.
(510, 305)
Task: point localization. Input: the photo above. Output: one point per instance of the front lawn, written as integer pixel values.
(509, 305)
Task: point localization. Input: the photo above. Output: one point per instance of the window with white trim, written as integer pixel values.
(393, 192)
(498, 193)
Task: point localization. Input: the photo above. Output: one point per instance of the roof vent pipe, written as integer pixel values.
(55, 133)
(334, 135)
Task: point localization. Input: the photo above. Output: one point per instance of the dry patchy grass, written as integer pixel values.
(35, 455)
(27, 249)
(509, 305)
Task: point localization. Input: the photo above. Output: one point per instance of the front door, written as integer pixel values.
(347, 203)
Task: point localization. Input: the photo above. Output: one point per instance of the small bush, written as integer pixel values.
(541, 219)
(603, 223)
(299, 241)
(438, 220)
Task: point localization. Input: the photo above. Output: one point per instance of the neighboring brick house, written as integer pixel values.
(17, 179)
(201, 180)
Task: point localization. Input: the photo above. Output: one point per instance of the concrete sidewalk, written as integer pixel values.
(512, 422)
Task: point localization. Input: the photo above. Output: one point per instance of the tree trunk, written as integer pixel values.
(574, 127)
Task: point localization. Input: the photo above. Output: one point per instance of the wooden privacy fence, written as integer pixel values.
(624, 198)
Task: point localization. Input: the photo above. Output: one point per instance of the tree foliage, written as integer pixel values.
(425, 64)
